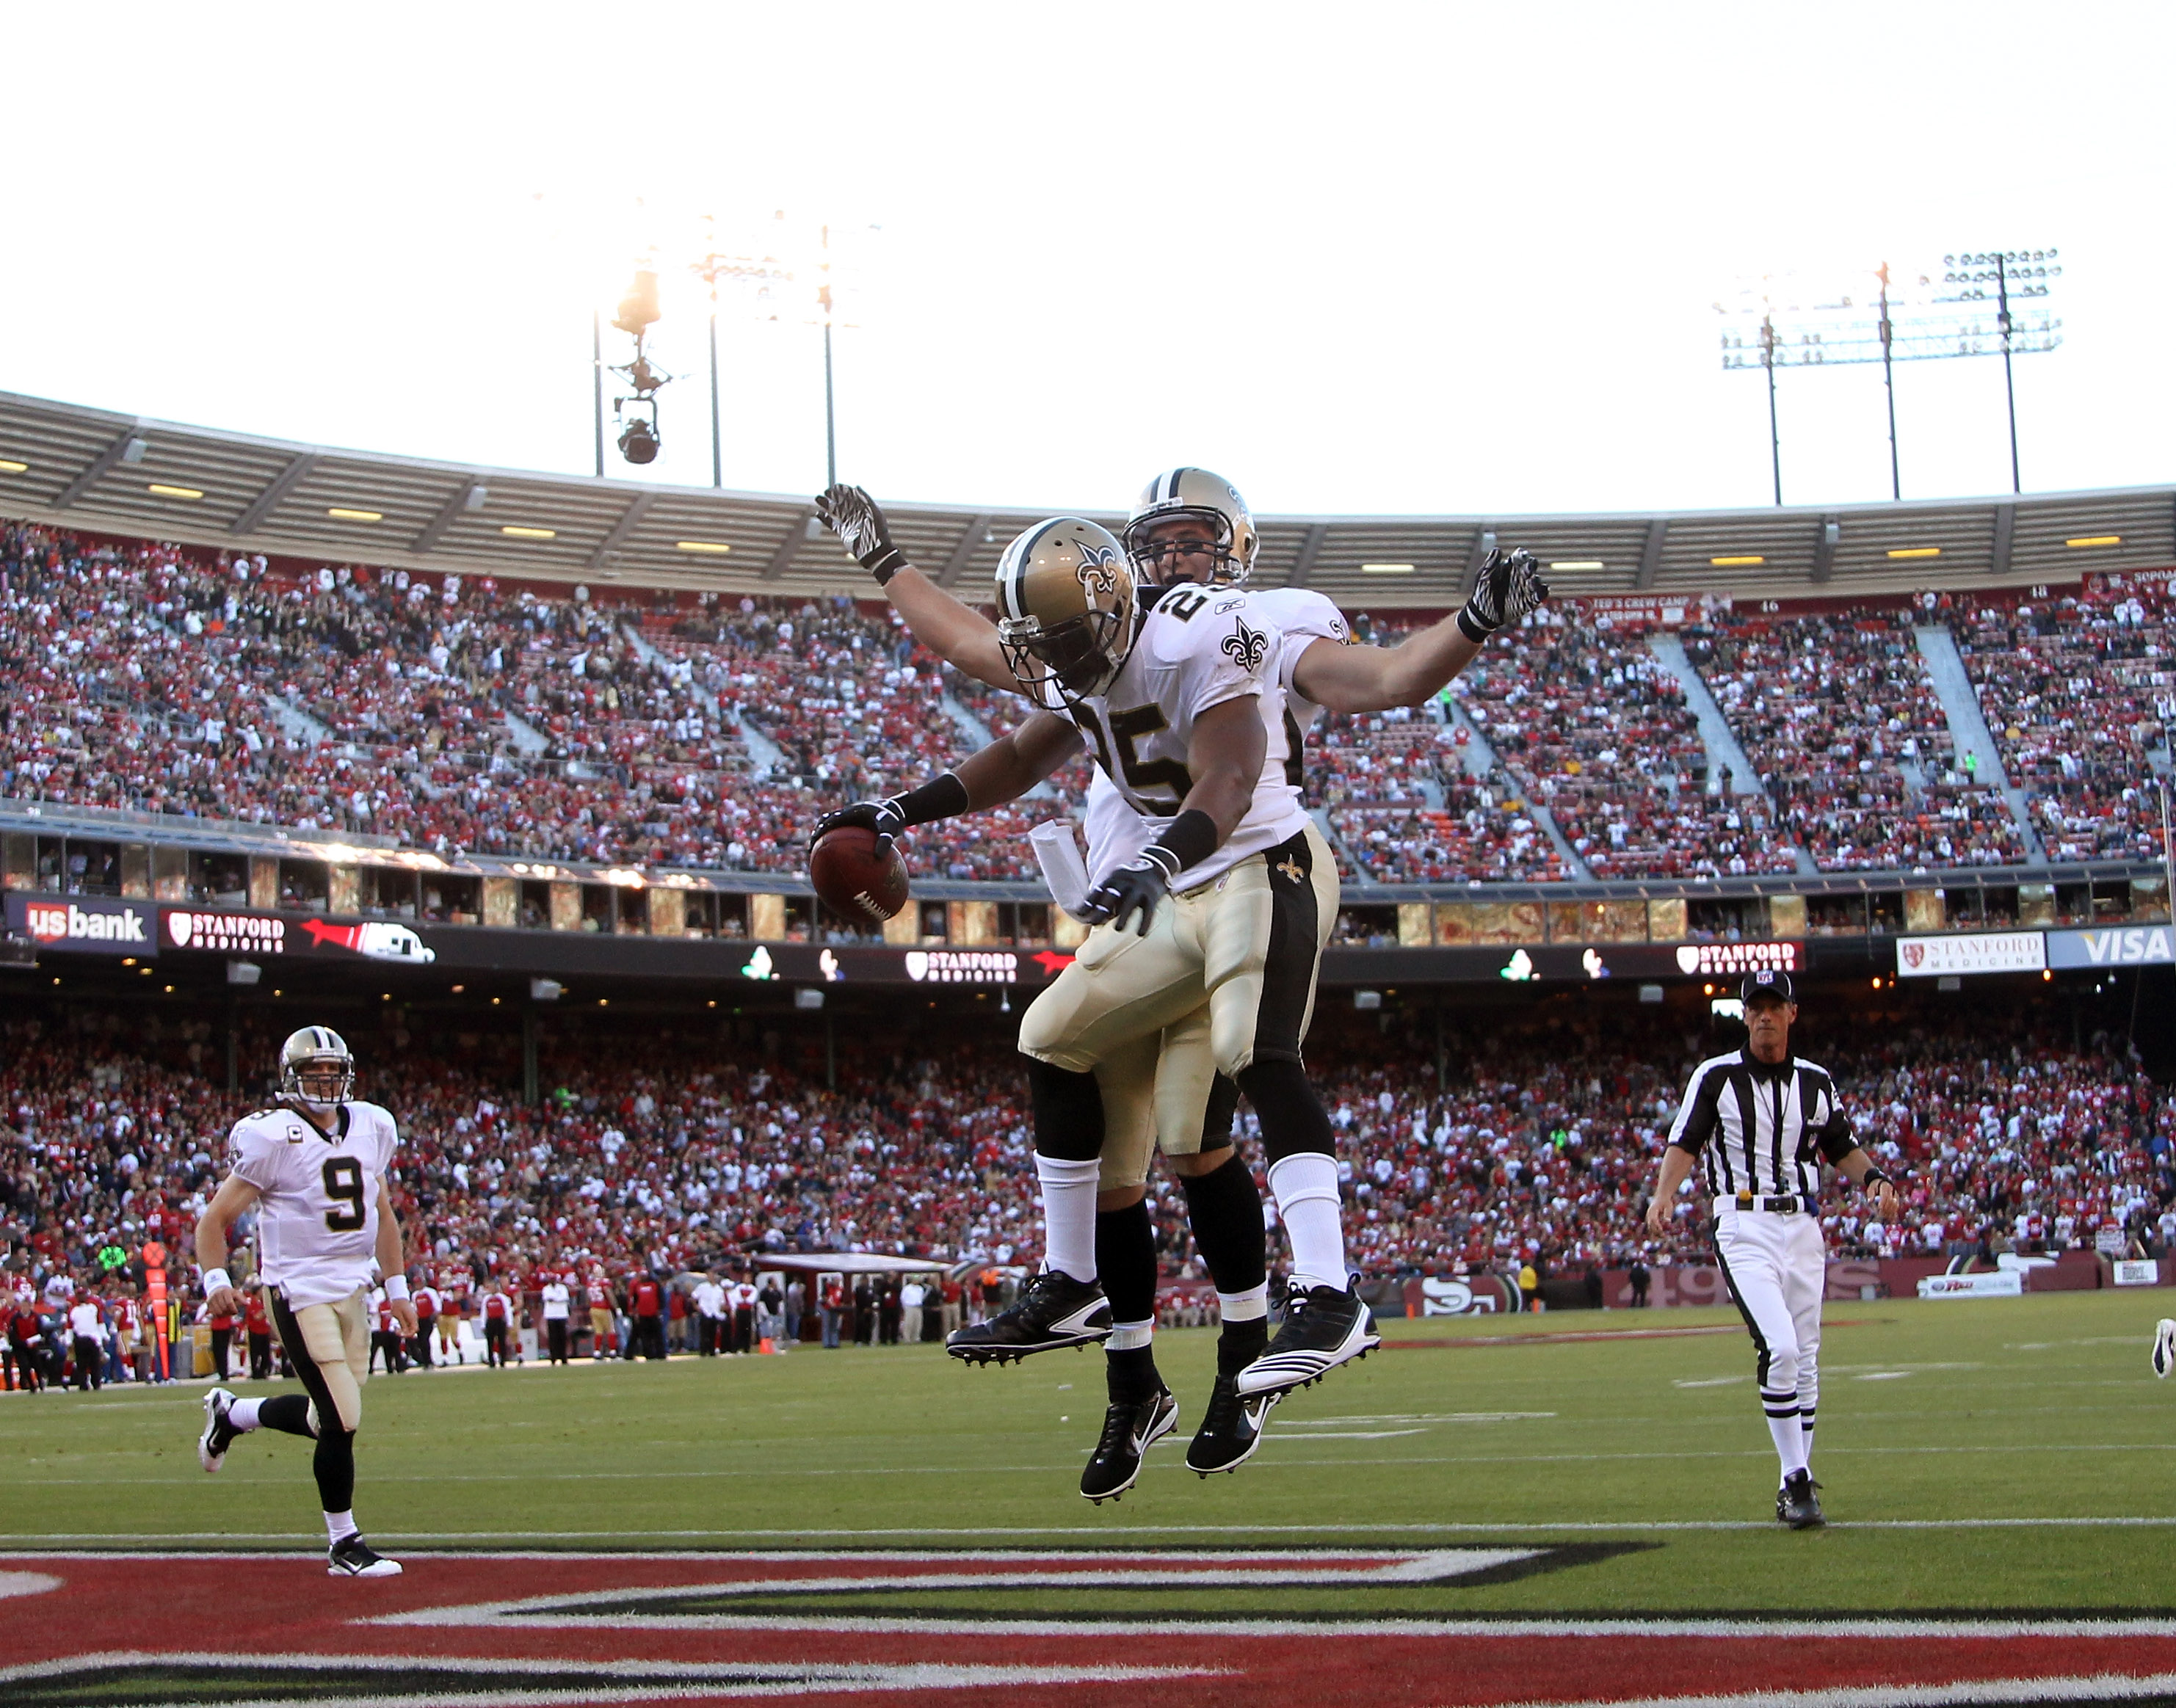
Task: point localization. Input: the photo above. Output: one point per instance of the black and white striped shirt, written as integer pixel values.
(1762, 1127)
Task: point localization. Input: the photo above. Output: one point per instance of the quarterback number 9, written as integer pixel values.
(344, 1185)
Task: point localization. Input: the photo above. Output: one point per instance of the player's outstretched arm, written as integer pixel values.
(1374, 678)
(956, 632)
(234, 1196)
(1003, 771)
(393, 1263)
(1224, 756)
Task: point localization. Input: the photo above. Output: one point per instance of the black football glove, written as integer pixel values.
(852, 514)
(1508, 586)
(882, 817)
(1135, 888)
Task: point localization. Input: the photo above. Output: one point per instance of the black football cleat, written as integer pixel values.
(2164, 1346)
(1054, 1310)
(1796, 1503)
(1231, 1430)
(1129, 1430)
(1322, 1328)
(351, 1557)
(218, 1433)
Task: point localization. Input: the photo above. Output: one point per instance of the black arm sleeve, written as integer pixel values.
(943, 796)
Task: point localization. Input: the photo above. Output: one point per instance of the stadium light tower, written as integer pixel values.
(746, 271)
(1944, 314)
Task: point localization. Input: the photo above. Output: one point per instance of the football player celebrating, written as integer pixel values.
(316, 1165)
(1190, 724)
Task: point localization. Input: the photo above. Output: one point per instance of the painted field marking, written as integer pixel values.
(615, 1681)
(2101, 1687)
(1713, 1382)
(41, 1544)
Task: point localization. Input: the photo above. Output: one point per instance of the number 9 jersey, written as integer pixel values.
(317, 1224)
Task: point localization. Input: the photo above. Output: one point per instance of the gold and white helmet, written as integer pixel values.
(316, 1051)
(1065, 606)
(1204, 497)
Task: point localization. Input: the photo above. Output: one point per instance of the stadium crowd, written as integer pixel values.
(669, 1155)
(449, 713)
(1840, 717)
(2078, 692)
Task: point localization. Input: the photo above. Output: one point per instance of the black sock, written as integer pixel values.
(288, 1413)
(1068, 1112)
(1132, 1376)
(1225, 1208)
(1239, 1344)
(1292, 1115)
(333, 1464)
(1126, 1262)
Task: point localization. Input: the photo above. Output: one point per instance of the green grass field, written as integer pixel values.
(1975, 1455)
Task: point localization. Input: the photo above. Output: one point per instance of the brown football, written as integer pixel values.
(853, 879)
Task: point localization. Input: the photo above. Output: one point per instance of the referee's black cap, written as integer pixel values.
(1772, 982)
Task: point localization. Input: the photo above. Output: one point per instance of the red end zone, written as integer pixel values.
(903, 1628)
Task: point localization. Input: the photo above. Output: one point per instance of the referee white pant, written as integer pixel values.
(1776, 1265)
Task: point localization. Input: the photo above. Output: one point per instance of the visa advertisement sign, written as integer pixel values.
(2112, 946)
(89, 924)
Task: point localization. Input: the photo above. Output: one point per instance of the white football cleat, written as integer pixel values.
(218, 1433)
(2164, 1346)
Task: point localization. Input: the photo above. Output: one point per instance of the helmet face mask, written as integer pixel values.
(317, 1068)
(1198, 495)
(1065, 607)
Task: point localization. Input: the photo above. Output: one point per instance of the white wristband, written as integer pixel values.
(396, 1286)
(214, 1279)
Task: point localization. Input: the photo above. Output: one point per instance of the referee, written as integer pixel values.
(1761, 1120)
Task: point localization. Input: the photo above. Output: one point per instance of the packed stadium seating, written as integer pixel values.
(2077, 692)
(1596, 729)
(1840, 717)
(453, 714)
(1534, 1143)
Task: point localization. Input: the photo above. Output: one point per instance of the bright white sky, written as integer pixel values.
(1401, 259)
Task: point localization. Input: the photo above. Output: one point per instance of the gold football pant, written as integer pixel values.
(1154, 1091)
(1246, 946)
(329, 1345)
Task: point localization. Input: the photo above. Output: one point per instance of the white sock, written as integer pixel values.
(1127, 1337)
(1305, 1187)
(242, 1414)
(1069, 1214)
(1249, 1307)
(339, 1526)
(1790, 1442)
(1806, 1435)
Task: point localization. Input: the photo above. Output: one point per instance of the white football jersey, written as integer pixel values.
(1118, 830)
(317, 1222)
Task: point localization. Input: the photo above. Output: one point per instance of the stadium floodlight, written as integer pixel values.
(751, 272)
(1966, 305)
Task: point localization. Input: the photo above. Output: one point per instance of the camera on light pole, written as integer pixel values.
(640, 440)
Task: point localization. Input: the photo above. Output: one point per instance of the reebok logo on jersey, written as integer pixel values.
(1246, 646)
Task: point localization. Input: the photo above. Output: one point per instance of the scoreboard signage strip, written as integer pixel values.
(2112, 946)
(83, 924)
(1972, 952)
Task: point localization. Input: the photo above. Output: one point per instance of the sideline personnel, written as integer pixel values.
(1761, 1120)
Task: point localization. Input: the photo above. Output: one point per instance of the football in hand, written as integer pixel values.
(853, 879)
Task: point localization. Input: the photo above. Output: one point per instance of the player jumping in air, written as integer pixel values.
(316, 1165)
(1759, 1121)
(1187, 696)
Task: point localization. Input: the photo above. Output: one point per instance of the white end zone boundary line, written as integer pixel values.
(1238, 1535)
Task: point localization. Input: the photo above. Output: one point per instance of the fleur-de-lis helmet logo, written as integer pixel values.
(1097, 570)
(1246, 645)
